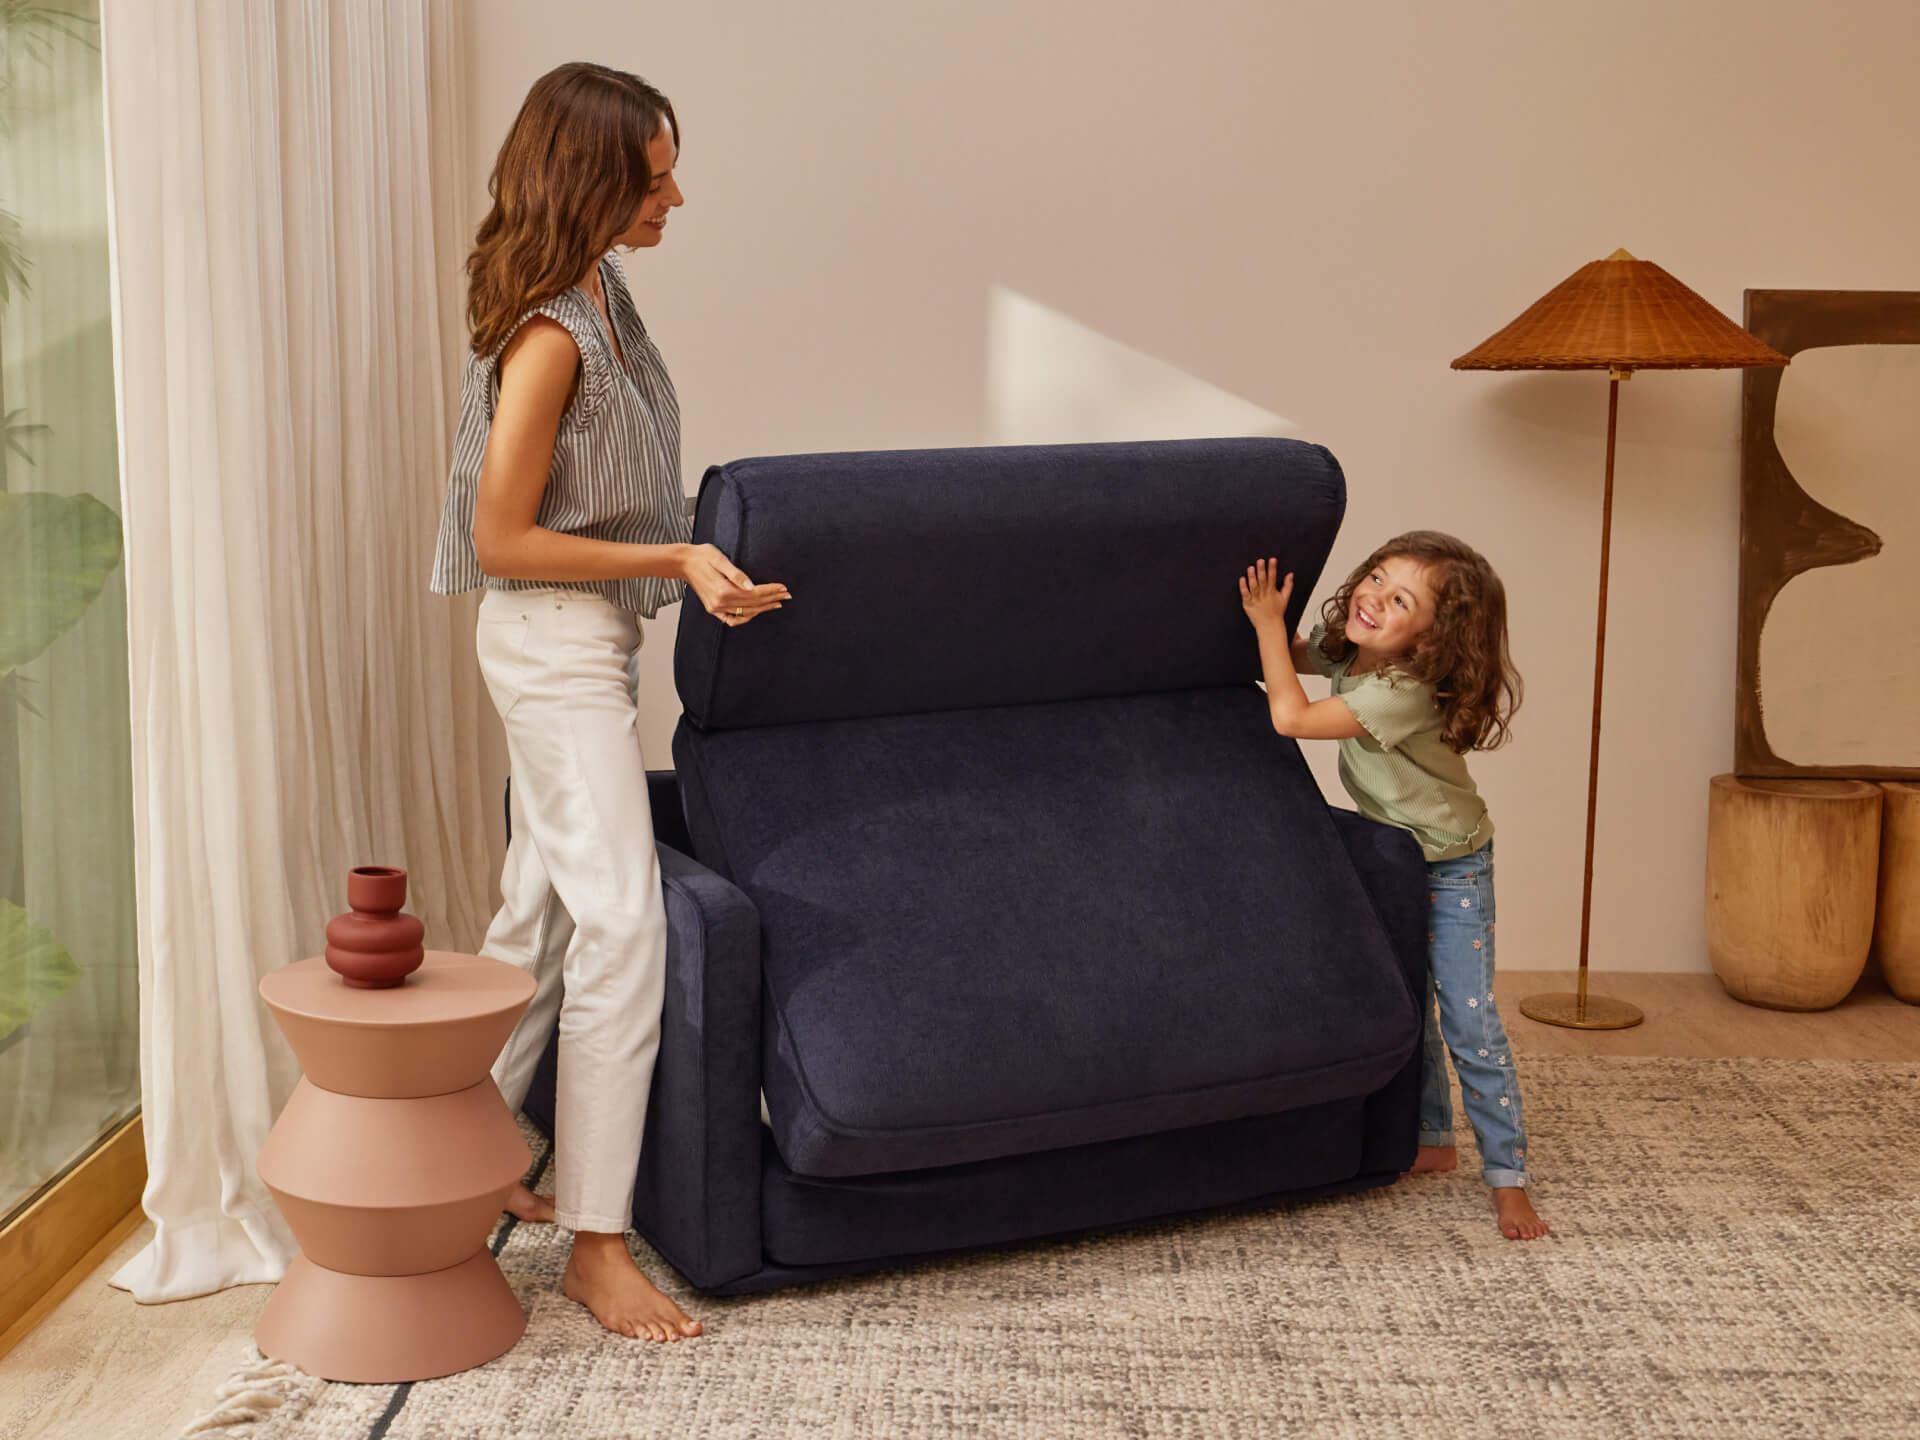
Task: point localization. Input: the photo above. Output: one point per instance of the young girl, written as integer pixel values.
(565, 503)
(1415, 645)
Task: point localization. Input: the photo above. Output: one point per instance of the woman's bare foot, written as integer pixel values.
(1435, 1157)
(523, 1204)
(601, 1275)
(1516, 1214)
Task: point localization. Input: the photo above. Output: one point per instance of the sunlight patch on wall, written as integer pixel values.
(1054, 381)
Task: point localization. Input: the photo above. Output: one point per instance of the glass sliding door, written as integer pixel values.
(69, 1034)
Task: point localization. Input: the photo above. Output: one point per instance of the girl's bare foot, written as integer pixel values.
(1516, 1214)
(601, 1275)
(1435, 1157)
(525, 1205)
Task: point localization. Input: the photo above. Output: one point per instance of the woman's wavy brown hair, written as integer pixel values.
(570, 176)
(1463, 653)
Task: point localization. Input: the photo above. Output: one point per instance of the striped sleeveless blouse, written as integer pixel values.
(616, 458)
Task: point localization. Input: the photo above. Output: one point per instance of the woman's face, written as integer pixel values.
(649, 223)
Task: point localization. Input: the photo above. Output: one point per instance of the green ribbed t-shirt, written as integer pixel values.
(1400, 772)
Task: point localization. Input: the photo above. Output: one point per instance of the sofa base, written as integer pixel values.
(775, 1276)
(817, 1229)
(808, 1220)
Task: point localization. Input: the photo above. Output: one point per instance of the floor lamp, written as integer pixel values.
(1619, 315)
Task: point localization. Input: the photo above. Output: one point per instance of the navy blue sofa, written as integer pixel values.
(984, 866)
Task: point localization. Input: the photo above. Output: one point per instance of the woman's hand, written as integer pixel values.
(1263, 601)
(724, 590)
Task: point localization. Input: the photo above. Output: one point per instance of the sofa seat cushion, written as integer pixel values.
(998, 931)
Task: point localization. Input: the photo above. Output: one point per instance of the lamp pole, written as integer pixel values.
(1597, 1013)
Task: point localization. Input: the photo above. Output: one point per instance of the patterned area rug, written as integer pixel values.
(1736, 1252)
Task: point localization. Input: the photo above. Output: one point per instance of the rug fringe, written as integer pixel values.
(250, 1394)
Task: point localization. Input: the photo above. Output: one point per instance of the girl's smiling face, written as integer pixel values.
(649, 223)
(1391, 608)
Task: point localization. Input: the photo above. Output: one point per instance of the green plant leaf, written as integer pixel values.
(33, 26)
(13, 433)
(34, 967)
(14, 687)
(13, 263)
(28, 31)
(56, 552)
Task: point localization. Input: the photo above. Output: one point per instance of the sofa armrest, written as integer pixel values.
(1394, 874)
(669, 819)
(697, 1200)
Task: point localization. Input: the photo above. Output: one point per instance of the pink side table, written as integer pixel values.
(391, 1163)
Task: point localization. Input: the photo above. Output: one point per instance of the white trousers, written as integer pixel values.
(581, 902)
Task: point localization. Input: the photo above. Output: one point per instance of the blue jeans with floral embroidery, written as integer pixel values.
(1460, 980)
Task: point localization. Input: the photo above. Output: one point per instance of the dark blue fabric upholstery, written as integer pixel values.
(861, 1223)
(1394, 872)
(817, 1228)
(994, 931)
(1011, 899)
(810, 1220)
(953, 579)
(775, 1276)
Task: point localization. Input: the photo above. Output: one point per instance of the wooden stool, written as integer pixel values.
(1896, 924)
(1792, 867)
(391, 1162)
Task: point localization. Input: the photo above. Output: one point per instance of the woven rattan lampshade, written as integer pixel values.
(1620, 314)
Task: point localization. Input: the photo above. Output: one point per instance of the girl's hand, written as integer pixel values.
(724, 590)
(1262, 600)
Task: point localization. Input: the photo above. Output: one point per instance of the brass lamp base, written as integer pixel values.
(1581, 1012)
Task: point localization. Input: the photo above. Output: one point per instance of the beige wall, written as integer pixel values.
(1313, 208)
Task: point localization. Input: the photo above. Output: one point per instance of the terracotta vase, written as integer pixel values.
(374, 946)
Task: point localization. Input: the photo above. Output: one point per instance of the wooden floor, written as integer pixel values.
(102, 1366)
(1690, 1015)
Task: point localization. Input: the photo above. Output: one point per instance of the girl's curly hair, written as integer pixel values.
(570, 175)
(1463, 653)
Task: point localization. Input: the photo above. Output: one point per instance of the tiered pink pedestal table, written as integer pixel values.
(391, 1163)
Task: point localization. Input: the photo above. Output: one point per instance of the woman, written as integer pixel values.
(565, 503)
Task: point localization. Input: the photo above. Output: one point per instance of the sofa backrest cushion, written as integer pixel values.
(935, 580)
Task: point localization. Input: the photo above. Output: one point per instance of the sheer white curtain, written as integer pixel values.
(287, 235)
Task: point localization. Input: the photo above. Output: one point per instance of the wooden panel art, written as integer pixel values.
(1828, 679)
